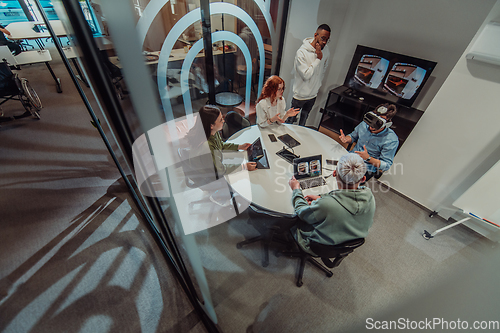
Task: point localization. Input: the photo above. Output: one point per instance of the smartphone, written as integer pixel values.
(332, 162)
(272, 137)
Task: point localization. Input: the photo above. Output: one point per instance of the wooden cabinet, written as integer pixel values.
(345, 108)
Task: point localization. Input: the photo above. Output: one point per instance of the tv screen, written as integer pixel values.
(395, 77)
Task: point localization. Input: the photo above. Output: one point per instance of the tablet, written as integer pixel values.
(287, 155)
(288, 140)
(257, 154)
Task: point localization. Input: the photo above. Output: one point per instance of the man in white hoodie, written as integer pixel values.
(311, 61)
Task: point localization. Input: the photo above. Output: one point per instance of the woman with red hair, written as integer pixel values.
(271, 105)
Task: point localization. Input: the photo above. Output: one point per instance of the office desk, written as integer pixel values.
(24, 30)
(30, 57)
(269, 188)
(175, 55)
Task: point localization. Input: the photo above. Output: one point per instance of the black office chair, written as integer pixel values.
(199, 175)
(233, 122)
(272, 227)
(203, 176)
(115, 75)
(331, 255)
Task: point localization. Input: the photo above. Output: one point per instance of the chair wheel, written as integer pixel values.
(299, 283)
(330, 274)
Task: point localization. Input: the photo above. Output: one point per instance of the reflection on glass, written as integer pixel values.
(171, 42)
(11, 11)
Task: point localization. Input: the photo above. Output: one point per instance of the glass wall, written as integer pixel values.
(155, 65)
(239, 29)
(11, 11)
(27, 10)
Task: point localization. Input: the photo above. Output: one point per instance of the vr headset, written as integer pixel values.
(375, 121)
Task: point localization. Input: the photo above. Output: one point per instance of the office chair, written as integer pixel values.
(331, 255)
(115, 75)
(233, 123)
(241, 79)
(204, 178)
(271, 226)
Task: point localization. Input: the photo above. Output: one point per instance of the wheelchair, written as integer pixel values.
(14, 88)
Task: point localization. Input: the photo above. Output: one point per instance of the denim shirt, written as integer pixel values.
(381, 146)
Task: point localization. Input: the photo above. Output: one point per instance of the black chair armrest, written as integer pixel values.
(333, 263)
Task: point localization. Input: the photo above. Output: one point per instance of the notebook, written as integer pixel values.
(307, 170)
(289, 140)
(257, 154)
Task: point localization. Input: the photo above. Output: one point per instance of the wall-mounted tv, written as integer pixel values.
(395, 77)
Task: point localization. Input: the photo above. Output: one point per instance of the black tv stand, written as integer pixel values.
(345, 108)
(378, 92)
(351, 93)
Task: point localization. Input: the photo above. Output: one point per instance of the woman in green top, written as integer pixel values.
(212, 121)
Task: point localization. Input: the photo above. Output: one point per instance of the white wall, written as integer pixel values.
(304, 17)
(437, 30)
(457, 139)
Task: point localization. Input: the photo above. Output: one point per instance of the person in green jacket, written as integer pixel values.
(212, 121)
(340, 215)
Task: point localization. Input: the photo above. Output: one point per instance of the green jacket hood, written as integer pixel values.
(356, 202)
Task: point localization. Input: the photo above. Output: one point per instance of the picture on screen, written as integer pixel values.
(310, 168)
(371, 70)
(315, 168)
(303, 168)
(404, 80)
(395, 77)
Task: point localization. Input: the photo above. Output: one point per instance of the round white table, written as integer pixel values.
(268, 188)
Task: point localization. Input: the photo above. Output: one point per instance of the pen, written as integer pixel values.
(475, 216)
(491, 222)
(480, 218)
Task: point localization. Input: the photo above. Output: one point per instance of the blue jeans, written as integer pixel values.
(305, 106)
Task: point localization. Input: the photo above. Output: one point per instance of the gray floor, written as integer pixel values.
(75, 254)
(395, 264)
(77, 257)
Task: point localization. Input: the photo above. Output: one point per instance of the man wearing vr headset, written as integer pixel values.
(376, 143)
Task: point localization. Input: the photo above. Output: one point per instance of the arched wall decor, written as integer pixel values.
(152, 10)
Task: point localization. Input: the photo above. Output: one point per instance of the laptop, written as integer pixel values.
(257, 154)
(307, 170)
